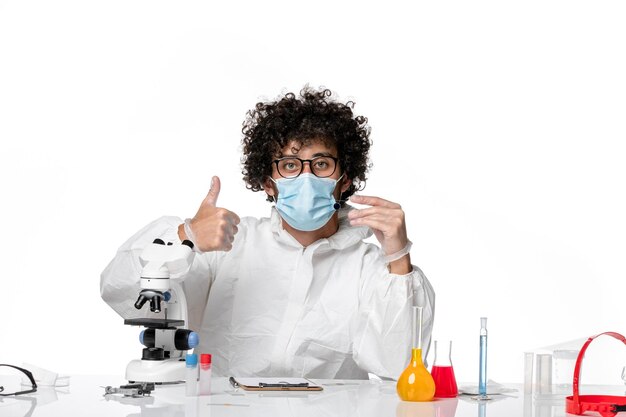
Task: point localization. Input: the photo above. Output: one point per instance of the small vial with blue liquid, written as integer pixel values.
(482, 374)
(191, 375)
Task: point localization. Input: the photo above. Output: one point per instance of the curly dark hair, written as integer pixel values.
(313, 115)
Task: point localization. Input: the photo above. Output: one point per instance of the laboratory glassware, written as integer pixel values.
(416, 383)
(191, 375)
(543, 374)
(563, 363)
(443, 371)
(548, 370)
(204, 387)
(482, 374)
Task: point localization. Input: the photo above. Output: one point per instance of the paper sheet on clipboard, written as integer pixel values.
(275, 384)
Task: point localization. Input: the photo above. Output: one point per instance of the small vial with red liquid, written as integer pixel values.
(443, 372)
(204, 386)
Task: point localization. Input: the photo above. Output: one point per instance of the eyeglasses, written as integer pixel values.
(30, 377)
(291, 167)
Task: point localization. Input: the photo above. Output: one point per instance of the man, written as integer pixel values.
(298, 293)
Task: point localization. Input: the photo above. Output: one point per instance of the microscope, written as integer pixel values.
(165, 339)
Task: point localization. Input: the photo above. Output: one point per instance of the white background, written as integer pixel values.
(499, 126)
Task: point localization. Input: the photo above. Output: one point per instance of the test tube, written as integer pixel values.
(205, 374)
(191, 375)
(528, 372)
(544, 373)
(482, 374)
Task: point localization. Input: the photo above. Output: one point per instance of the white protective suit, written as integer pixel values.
(270, 307)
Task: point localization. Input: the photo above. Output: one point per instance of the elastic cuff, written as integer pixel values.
(395, 256)
(190, 235)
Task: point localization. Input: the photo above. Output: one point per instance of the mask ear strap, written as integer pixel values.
(338, 203)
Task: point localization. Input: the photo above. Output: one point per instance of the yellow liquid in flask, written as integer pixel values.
(416, 383)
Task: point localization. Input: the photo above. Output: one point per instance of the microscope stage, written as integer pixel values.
(154, 323)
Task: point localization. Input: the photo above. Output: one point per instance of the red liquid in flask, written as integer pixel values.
(445, 382)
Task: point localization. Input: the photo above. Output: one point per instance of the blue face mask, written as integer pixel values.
(306, 202)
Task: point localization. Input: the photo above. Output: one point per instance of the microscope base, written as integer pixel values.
(168, 370)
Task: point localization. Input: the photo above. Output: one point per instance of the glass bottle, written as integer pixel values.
(416, 383)
(443, 372)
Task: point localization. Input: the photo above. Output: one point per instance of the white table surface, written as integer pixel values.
(84, 396)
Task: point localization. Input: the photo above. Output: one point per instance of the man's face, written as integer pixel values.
(309, 150)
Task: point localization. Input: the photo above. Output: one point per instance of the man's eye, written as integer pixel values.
(321, 164)
(289, 166)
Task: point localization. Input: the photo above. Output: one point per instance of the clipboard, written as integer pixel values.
(274, 384)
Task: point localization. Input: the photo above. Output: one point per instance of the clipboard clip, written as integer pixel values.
(283, 385)
(274, 384)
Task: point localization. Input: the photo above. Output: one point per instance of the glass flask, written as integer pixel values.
(416, 383)
(443, 372)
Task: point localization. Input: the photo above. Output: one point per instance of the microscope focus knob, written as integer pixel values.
(185, 339)
(193, 339)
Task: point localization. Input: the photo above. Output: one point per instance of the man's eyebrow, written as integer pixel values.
(315, 155)
(323, 154)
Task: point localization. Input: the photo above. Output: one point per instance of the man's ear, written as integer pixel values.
(345, 184)
(268, 187)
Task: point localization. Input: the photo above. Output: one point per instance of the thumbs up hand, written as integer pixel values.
(214, 228)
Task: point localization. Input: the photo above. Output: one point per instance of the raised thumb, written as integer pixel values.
(214, 192)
